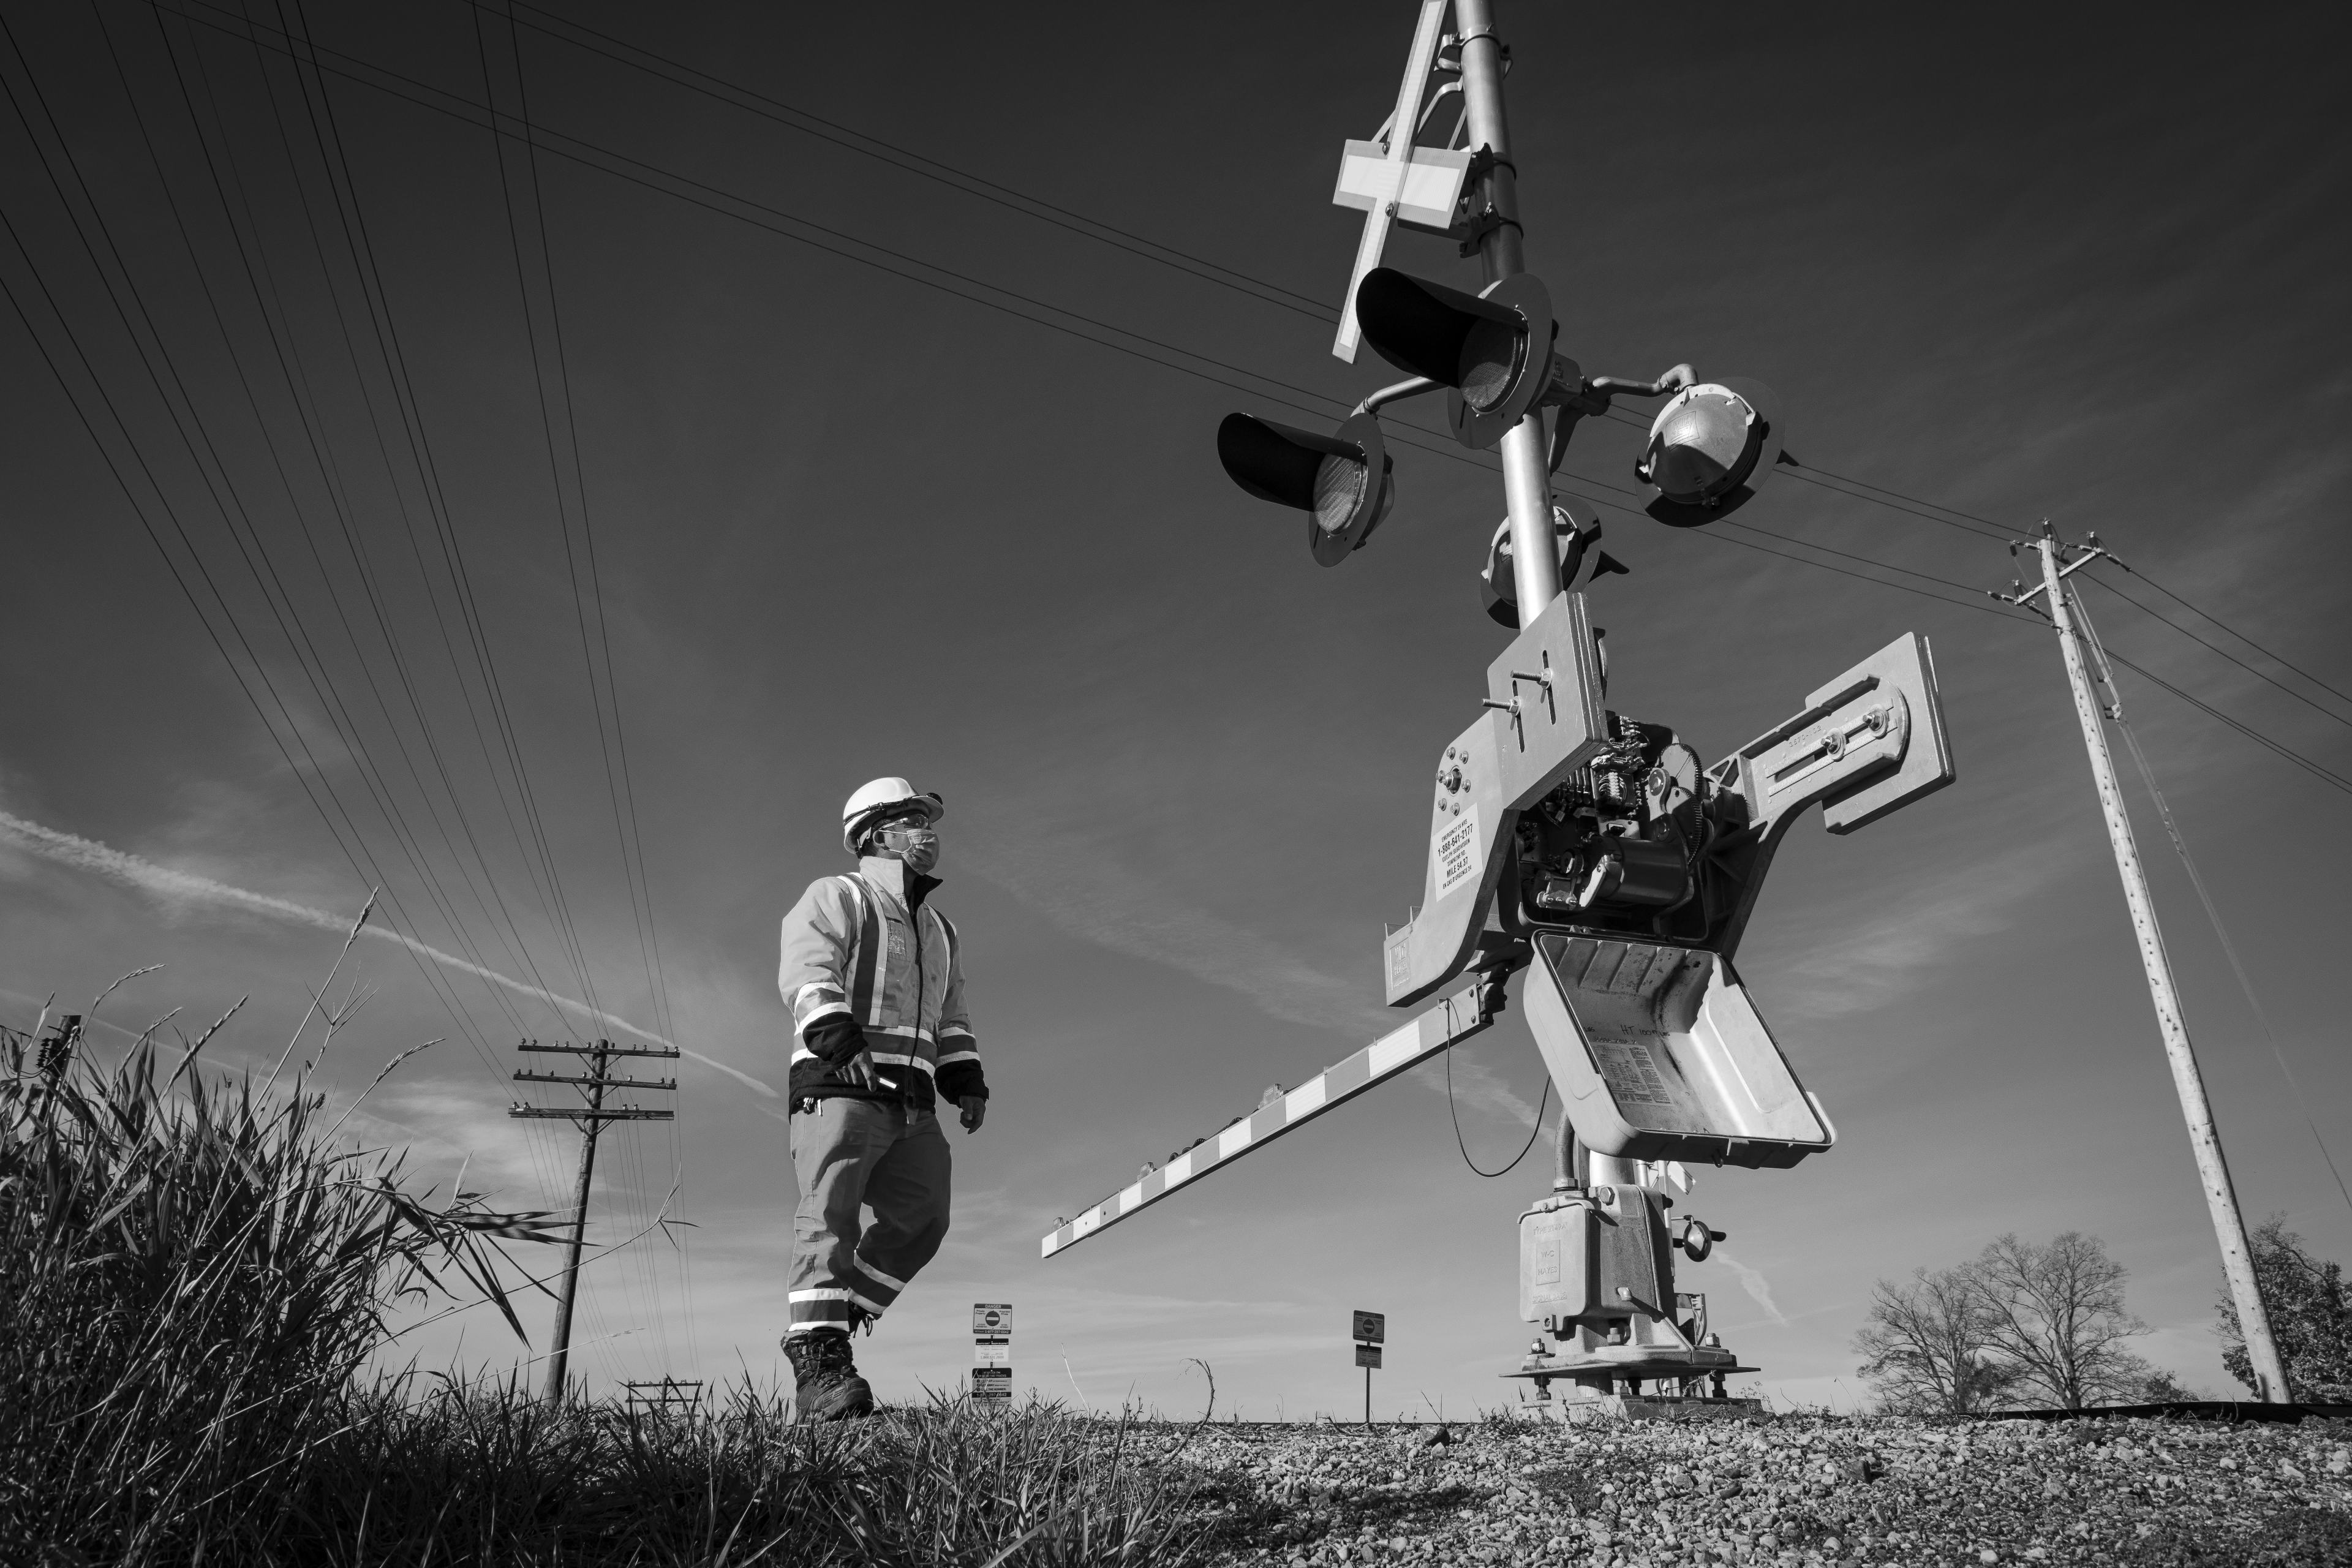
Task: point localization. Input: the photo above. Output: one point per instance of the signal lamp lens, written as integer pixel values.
(1494, 356)
(1339, 491)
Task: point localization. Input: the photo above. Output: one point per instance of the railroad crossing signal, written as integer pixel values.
(1595, 851)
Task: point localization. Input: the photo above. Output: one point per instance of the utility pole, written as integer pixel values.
(2212, 1169)
(591, 1118)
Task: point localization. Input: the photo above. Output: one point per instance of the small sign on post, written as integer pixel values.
(991, 1350)
(1369, 1331)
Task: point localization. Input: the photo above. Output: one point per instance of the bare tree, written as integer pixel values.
(2056, 1315)
(1926, 1346)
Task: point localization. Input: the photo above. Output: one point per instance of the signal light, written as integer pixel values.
(1710, 446)
(1493, 349)
(1343, 481)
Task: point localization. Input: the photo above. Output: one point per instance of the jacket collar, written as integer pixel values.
(892, 878)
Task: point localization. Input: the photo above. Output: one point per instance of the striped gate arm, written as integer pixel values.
(1455, 1017)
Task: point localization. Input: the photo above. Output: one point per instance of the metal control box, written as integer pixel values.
(1558, 1258)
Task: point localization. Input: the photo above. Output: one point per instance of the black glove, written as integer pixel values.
(834, 1039)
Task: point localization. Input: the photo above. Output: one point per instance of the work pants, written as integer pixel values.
(892, 1162)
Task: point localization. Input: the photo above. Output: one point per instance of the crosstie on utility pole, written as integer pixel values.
(591, 1118)
(2212, 1169)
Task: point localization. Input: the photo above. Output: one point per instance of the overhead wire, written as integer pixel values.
(618, 787)
(866, 144)
(2267, 653)
(475, 114)
(219, 484)
(537, 1140)
(518, 957)
(351, 220)
(288, 354)
(2089, 637)
(627, 829)
(2224, 653)
(1880, 495)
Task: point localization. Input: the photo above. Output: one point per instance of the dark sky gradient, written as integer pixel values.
(2028, 262)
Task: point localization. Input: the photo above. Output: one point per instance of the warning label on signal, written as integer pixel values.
(1460, 852)
(1631, 1074)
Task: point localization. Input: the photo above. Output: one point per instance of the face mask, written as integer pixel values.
(918, 847)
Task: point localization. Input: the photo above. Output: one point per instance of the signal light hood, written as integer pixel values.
(1342, 481)
(1493, 349)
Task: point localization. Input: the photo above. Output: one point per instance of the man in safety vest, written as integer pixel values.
(874, 975)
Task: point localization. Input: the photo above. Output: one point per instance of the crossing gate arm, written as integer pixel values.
(1455, 1017)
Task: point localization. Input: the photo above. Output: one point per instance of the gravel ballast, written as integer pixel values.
(1794, 1490)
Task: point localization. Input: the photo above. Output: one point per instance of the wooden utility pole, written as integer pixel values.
(591, 1118)
(2212, 1170)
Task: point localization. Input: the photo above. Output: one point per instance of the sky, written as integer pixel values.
(556, 553)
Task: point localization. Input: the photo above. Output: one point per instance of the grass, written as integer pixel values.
(195, 1271)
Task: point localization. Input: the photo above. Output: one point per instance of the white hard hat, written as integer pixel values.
(883, 797)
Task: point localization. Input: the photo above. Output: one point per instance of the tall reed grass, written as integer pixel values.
(195, 1272)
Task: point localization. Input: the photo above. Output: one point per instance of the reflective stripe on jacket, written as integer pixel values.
(851, 949)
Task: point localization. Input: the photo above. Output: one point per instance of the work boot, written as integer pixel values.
(827, 1386)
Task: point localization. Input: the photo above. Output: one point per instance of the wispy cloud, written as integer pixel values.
(185, 888)
(1752, 1281)
(1860, 970)
(1091, 896)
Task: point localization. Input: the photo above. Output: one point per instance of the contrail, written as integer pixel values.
(88, 855)
(1752, 1281)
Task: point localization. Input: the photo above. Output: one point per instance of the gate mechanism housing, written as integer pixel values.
(1601, 853)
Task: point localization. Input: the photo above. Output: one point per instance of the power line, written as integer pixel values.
(2242, 664)
(2089, 640)
(1062, 327)
(519, 959)
(800, 119)
(619, 789)
(353, 222)
(2280, 659)
(230, 506)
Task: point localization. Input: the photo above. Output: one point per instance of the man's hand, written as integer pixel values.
(976, 1112)
(860, 1071)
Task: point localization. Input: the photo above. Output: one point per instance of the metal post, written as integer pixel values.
(2212, 1170)
(590, 1125)
(1527, 481)
(1368, 1396)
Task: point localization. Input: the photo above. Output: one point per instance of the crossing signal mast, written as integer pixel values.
(1595, 851)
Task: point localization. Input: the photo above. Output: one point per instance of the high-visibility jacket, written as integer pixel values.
(853, 948)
